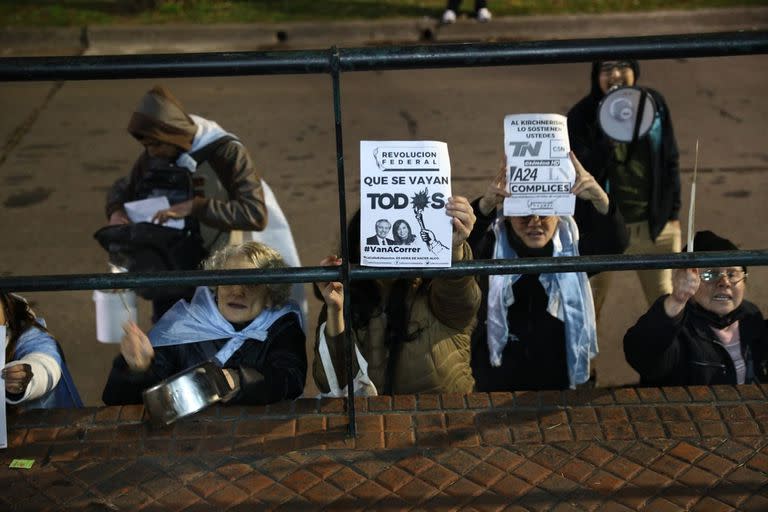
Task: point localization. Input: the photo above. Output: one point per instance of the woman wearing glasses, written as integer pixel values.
(704, 332)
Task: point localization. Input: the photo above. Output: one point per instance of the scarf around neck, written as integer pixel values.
(713, 319)
(570, 301)
(201, 320)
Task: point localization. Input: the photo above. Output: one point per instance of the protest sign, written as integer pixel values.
(539, 172)
(404, 186)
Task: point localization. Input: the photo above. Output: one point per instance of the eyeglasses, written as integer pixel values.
(711, 275)
(622, 65)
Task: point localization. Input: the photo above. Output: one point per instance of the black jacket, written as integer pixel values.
(682, 351)
(595, 151)
(537, 360)
(270, 371)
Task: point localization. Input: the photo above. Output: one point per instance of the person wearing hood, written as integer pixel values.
(643, 177)
(704, 332)
(537, 331)
(228, 194)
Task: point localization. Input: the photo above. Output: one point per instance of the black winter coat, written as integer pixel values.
(683, 351)
(596, 153)
(270, 371)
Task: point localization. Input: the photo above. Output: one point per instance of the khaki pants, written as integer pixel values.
(655, 282)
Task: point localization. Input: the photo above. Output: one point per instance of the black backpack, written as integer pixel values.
(147, 247)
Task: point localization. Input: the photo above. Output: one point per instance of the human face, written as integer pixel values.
(382, 228)
(722, 295)
(403, 231)
(241, 303)
(615, 72)
(535, 231)
(157, 149)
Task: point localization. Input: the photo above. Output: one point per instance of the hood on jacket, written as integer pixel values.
(595, 92)
(160, 116)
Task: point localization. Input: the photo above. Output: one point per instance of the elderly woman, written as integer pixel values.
(36, 376)
(537, 331)
(252, 331)
(704, 332)
(413, 333)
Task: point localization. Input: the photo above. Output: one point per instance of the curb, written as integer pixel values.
(187, 38)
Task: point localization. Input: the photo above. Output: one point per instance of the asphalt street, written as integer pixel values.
(63, 144)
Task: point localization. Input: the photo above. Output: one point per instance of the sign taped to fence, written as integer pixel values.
(539, 172)
(404, 186)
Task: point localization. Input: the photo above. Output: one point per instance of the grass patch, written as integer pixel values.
(87, 12)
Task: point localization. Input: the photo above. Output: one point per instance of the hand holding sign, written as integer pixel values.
(463, 218)
(587, 188)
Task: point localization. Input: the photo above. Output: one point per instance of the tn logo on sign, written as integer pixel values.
(525, 148)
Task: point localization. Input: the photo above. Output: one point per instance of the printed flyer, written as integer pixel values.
(404, 186)
(539, 172)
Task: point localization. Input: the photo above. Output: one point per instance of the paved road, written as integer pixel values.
(63, 144)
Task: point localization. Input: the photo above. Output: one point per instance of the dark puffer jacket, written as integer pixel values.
(596, 152)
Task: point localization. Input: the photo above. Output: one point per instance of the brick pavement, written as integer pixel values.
(693, 448)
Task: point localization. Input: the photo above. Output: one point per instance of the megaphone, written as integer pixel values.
(626, 114)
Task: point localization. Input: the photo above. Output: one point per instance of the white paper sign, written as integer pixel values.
(539, 172)
(3, 424)
(404, 186)
(144, 209)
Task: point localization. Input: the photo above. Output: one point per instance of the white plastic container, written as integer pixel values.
(111, 313)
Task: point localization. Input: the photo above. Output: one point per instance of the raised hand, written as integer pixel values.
(685, 283)
(136, 348)
(333, 291)
(333, 295)
(496, 190)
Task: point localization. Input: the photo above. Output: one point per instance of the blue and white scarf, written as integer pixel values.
(570, 301)
(201, 320)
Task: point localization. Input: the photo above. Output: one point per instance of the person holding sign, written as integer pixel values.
(413, 333)
(642, 177)
(537, 331)
(704, 332)
(252, 331)
(36, 376)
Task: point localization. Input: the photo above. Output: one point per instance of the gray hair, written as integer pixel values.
(262, 256)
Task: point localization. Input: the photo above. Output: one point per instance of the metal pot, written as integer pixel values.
(187, 392)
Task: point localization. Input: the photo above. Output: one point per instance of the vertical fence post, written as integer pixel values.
(348, 343)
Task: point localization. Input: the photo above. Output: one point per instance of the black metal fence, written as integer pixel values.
(337, 60)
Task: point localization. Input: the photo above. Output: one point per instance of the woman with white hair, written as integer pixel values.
(252, 331)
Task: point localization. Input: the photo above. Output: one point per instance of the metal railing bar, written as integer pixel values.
(345, 267)
(113, 67)
(313, 274)
(552, 52)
